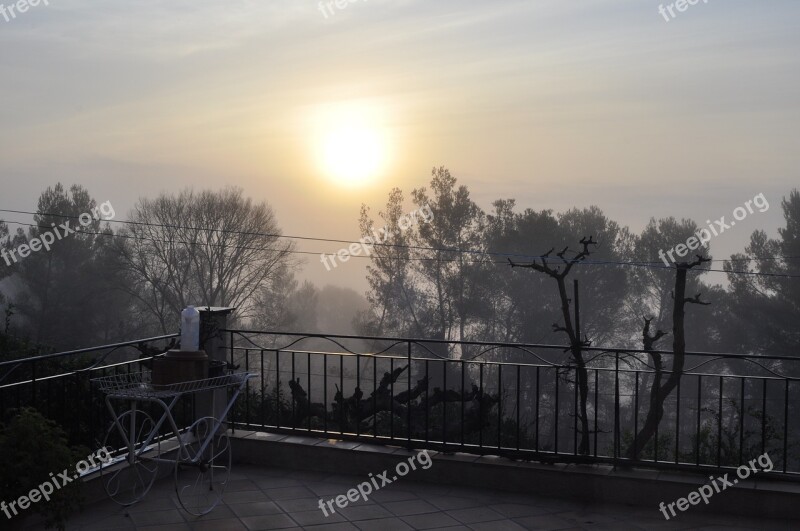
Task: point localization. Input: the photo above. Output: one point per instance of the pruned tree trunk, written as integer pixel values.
(659, 392)
(581, 374)
(576, 344)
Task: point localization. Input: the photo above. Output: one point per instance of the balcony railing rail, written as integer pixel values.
(511, 399)
(58, 384)
(521, 400)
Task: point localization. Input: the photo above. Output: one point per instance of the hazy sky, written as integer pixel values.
(555, 103)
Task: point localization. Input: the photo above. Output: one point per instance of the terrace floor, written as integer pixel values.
(278, 498)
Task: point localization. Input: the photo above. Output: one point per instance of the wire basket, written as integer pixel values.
(137, 385)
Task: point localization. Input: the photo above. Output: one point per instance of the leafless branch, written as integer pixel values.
(696, 300)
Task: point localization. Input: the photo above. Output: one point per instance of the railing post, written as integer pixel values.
(230, 364)
(785, 424)
(358, 388)
(33, 384)
(616, 407)
(408, 404)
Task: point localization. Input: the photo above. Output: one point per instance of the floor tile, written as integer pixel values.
(271, 498)
(365, 512)
(430, 521)
(224, 524)
(308, 518)
(270, 521)
(288, 493)
(383, 524)
(255, 509)
(150, 518)
(410, 507)
(475, 515)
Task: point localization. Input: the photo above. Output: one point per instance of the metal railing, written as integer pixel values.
(521, 400)
(58, 385)
(510, 399)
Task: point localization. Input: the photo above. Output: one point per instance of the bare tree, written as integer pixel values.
(206, 249)
(658, 391)
(575, 342)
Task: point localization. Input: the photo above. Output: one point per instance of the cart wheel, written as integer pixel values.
(201, 474)
(128, 478)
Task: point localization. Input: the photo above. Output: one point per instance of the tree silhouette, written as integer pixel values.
(559, 272)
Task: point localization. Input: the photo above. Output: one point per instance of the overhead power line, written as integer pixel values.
(333, 240)
(632, 263)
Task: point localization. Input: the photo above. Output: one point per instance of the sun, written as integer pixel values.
(351, 143)
(353, 155)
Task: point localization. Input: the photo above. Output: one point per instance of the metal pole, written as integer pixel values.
(577, 311)
(577, 346)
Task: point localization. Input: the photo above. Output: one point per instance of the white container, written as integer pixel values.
(190, 329)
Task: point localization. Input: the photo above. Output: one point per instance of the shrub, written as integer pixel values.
(31, 448)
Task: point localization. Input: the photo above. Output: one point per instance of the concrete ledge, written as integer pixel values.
(588, 483)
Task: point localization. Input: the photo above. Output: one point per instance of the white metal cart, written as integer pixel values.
(203, 454)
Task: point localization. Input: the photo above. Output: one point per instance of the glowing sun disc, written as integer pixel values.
(350, 142)
(353, 155)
